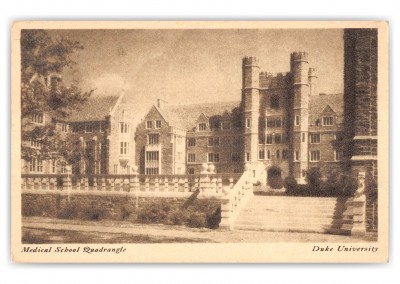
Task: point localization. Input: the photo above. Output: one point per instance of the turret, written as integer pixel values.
(54, 82)
(251, 102)
(312, 81)
(301, 90)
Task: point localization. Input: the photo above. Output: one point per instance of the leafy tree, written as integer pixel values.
(43, 60)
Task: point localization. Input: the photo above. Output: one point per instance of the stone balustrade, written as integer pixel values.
(208, 184)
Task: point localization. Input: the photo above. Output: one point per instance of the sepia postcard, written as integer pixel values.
(193, 142)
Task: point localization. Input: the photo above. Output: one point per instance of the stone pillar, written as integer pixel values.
(359, 201)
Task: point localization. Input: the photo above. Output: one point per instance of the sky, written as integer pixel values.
(194, 66)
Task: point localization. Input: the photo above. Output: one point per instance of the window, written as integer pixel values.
(191, 158)
(37, 118)
(191, 171)
(297, 120)
(149, 124)
(213, 141)
(271, 123)
(87, 146)
(315, 138)
(124, 127)
(327, 120)
(248, 157)
(124, 148)
(285, 154)
(226, 125)
(268, 155)
(269, 139)
(154, 139)
(261, 154)
(296, 155)
(274, 102)
(315, 155)
(152, 162)
(235, 157)
(64, 127)
(202, 126)
(53, 166)
(248, 122)
(278, 156)
(338, 155)
(89, 128)
(63, 168)
(278, 138)
(115, 168)
(36, 165)
(191, 142)
(158, 123)
(35, 144)
(102, 127)
(213, 157)
(75, 128)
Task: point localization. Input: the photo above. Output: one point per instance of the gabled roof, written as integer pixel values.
(94, 109)
(319, 104)
(185, 116)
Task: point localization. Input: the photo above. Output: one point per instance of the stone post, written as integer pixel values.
(359, 207)
(67, 182)
(204, 179)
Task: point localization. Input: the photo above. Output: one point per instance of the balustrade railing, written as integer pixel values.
(145, 185)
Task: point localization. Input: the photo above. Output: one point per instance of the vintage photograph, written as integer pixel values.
(211, 140)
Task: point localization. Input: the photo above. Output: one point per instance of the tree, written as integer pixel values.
(43, 59)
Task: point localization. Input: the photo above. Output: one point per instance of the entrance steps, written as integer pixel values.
(296, 214)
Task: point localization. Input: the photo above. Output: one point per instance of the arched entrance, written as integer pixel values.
(274, 178)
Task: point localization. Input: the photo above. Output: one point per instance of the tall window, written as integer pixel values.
(202, 126)
(158, 123)
(191, 142)
(278, 138)
(149, 124)
(64, 127)
(38, 118)
(63, 167)
(269, 139)
(53, 166)
(124, 127)
(36, 165)
(115, 168)
(315, 138)
(191, 158)
(248, 122)
(268, 155)
(75, 128)
(296, 155)
(278, 156)
(213, 157)
(154, 138)
(338, 155)
(248, 157)
(297, 120)
(35, 144)
(213, 141)
(124, 148)
(152, 162)
(261, 154)
(327, 120)
(315, 155)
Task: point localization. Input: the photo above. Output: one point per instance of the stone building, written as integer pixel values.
(282, 126)
(102, 127)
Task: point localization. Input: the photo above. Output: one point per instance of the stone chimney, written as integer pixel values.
(161, 103)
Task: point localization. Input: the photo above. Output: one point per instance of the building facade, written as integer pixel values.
(282, 125)
(103, 131)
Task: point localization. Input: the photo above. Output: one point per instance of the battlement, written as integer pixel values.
(273, 75)
(312, 72)
(250, 60)
(273, 80)
(299, 56)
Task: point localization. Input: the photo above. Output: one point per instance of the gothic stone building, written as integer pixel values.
(281, 123)
(104, 130)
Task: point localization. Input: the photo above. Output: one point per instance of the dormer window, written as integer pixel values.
(202, 126)
(124, 127)
(149, 124)
(158, 124)
(38, 118)
(327, 121)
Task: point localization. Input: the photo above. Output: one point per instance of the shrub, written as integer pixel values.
(94, 214)
(127, 210)
(44, 207)
(313, 177)
(176, 217)
(290, 185)
(154, 212)
(29, 238)
(197, 220)
(71, 210)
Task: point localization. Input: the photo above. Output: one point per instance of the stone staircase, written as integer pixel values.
(296, 214)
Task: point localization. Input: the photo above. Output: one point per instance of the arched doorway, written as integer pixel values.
(274, 178)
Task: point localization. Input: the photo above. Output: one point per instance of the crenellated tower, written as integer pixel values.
(299, 68)
(251, 105)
